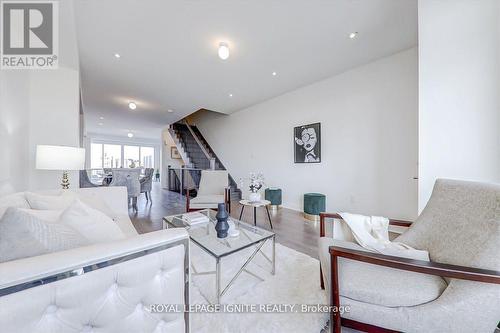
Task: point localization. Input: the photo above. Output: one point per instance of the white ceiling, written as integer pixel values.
(169, 53)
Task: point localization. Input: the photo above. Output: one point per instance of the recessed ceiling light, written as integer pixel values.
(130, 134)
(132, 106)
(274, 73)
(353, 35)
(102, 118)
(170, 110)
(230, 95)
(100, 124)
(117, 56)
(223, 51)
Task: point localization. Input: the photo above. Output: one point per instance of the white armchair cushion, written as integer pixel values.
(95, 226)
(379, 285)
(25, 235)
(206, 201)
(17, 200)
(213, 182)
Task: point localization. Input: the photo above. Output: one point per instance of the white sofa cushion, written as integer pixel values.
(17, 200)
(92, 224)
(379, 285)
(25, 235)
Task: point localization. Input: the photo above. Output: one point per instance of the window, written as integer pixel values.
(113, 156)
(147, 157)
(96, 156)
(108, 155)
(131, 156)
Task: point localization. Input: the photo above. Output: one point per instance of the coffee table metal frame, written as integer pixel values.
(243, 228)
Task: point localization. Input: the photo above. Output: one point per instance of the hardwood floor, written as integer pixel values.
(291, 229)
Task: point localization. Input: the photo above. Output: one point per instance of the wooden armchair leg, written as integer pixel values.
(335, 320)
(321, 282)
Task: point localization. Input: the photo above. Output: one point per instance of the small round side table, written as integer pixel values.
(255, 204)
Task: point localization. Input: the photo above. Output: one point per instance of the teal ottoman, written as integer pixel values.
(274, 195)
(314, 203)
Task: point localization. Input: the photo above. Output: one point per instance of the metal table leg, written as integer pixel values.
(274, 255)
(217, 279)
(255, 216)
(241, 213)
(269, 217)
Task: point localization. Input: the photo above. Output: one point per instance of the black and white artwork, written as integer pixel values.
(308, 143)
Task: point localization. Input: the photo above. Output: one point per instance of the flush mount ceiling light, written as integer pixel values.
(170, 110)
(353, 35)
(230, 95)
(130, 134)
(132, 106)
(102, 118)
(223, 51)
(274, 73)
(117, 56)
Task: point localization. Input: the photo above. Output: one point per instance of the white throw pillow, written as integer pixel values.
(97, 203)
(25, 235)
(50, 202)
(17, 200)
(92, 224)
(65, 199)
(46, 215)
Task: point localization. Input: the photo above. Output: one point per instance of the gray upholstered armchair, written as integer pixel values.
(85, 180)
(130, 179)
(147, 183)
(457, 291)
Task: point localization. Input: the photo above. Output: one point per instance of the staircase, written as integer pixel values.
(200, 154)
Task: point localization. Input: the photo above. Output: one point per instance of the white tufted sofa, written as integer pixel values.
(106, 287)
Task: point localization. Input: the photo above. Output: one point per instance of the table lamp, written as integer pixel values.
(60, 158)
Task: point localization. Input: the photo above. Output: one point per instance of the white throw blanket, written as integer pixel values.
(372, 233)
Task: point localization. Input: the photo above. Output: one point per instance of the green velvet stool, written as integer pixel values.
(274, 195)
(314, 203)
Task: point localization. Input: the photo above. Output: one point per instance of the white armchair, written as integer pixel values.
(105, 287)
(213, 190)
(457, 291)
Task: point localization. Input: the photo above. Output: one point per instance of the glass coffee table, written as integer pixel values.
(205, 237)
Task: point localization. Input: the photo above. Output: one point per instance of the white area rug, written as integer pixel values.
(296, 282)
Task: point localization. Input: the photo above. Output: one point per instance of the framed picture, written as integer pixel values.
(307, 143)
(174, 153)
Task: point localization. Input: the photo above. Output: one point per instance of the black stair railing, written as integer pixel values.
(201, 156)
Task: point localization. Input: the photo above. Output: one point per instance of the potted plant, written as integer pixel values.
(256, 183)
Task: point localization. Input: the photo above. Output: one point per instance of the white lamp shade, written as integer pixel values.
(59, 158)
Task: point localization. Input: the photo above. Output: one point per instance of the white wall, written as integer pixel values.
(14, 126)
(39, 107)
(167, 144)
(369, 153)
(459, 94)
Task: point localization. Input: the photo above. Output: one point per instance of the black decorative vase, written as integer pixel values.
(222, 226)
